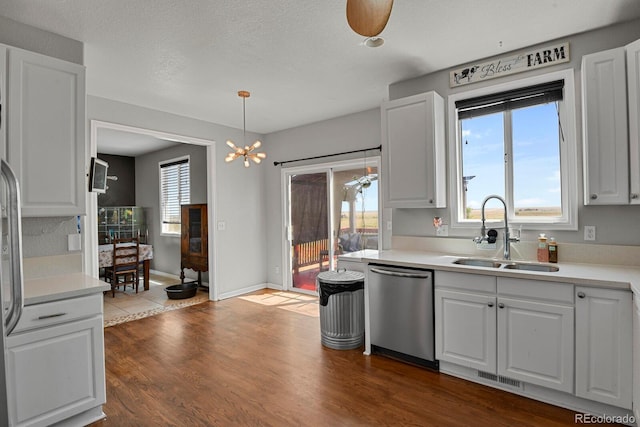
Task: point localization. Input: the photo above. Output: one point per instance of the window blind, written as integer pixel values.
(175, 191)
(510, 100)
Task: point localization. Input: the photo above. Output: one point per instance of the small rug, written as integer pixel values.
(141, 315)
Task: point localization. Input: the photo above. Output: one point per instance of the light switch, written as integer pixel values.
(74, 242)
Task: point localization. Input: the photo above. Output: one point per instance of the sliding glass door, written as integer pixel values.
(330, 210)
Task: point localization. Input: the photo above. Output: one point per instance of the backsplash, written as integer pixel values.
(524, 251)
(46, 236)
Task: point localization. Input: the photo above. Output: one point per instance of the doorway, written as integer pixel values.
(91, 223)
(331, 209)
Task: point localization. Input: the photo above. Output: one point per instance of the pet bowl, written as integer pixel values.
(182, 291)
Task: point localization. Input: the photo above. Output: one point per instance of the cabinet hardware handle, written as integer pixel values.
(581, 295)
(49, 316)
(501, 305)
(490, 304)
(594, 196)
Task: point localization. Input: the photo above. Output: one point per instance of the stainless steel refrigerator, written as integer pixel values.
(11, 289)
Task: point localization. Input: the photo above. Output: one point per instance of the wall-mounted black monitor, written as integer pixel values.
(98, 175)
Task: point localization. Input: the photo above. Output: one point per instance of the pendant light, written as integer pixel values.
(247, 152)
(368, 18)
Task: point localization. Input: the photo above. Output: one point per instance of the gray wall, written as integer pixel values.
(43, 236)
(351, 132)
(614, 224)
(240, 261)
(166, 249)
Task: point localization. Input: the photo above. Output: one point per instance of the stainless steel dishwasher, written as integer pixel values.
(401, 313)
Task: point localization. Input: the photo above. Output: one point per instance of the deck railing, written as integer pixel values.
(309, 253)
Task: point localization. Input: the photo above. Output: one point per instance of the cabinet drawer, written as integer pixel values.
(536, 289)
(52, 313)
(465, 281)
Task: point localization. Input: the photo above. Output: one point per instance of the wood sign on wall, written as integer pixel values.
(518, 63)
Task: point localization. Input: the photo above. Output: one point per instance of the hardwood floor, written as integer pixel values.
(242, 363)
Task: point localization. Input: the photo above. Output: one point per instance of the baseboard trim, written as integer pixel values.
(238, 292)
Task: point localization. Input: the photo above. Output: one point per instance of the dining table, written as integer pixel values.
(145, 255)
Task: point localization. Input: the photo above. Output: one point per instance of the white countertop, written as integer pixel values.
(64, 286)
(608, 276)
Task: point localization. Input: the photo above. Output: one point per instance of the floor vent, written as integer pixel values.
(499, 379)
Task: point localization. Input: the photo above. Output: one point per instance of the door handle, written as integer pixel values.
(400, 274)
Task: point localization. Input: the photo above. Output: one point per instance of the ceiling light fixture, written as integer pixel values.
(368, 18)
(247, 152)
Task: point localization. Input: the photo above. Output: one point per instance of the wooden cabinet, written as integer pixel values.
(46, 132)
(414, 174)
(604, 111)
(194, 248)
(604, 345)
(633, 104)
(55, 363)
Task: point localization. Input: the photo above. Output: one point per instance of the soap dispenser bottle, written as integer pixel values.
(553, 250)
(543, 250)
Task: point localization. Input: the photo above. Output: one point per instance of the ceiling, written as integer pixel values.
(298, 58)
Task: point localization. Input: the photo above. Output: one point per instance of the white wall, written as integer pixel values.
(614, 224)
(240, 262)
(351, 132)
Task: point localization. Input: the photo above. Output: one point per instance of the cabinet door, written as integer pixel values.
(604, 345)
(466, 329)
(55, 372)
(413, 152)
(633, 98)
(535, 343)
(3, 102)
(604, 111)
(46, 139)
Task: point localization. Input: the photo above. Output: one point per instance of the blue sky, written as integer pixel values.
(535, 156)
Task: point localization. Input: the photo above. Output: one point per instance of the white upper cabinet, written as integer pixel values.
(3, 102)
(46, 132)
(414, 174)
(633, 92)
(604, 119)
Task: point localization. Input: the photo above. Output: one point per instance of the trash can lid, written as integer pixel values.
(341, 276)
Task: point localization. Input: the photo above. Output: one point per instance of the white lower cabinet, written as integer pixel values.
(575, 339)
(56, 371)
(535, 343)
(466, 334)
(604, 345)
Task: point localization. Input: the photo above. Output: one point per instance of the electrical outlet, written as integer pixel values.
(222, 225)
(589, 232)
(276, 269)
(442, 231)
(5, 250)
(389, 225)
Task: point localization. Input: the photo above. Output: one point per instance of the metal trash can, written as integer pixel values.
(341, 308)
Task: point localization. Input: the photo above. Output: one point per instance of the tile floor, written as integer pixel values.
(129, 303)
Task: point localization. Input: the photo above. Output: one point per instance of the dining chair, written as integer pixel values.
(124, 268)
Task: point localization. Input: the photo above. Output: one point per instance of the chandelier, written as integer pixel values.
(247, 152)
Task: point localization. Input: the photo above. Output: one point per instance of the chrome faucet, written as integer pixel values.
(507, 235)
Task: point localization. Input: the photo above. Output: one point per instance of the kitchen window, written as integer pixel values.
(174, 191)
(516, 140)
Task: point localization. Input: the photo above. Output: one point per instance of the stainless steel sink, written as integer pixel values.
(532, 267)
(478, 262)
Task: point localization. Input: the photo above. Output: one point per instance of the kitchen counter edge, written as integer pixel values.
(61, 287)
(596, 275)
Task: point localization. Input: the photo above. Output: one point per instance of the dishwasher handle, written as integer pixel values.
(400, 274)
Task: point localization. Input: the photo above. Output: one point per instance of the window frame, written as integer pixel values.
(568, 156)
(160, 188)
